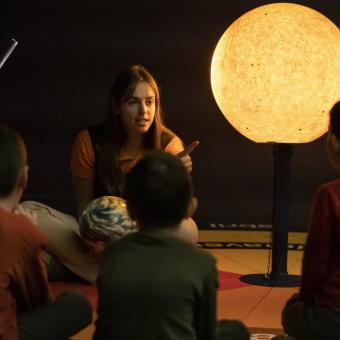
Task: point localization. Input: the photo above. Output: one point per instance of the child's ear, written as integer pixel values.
(333, 150)
(336, 144)
(23, 178)
(334, 141)
(192, 207)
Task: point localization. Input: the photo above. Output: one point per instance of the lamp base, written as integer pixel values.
(263, 280)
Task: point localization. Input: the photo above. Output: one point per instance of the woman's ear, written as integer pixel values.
(191, 207)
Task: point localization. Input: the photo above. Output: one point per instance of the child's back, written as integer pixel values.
(155, 286)
(152, 285)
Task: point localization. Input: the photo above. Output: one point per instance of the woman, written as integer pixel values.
(102, 154)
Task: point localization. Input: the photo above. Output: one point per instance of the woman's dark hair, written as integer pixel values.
(12, 158)
(115, 137)
(158, 191)
(334, 120)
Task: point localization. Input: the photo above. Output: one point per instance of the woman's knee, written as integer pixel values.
(29, 204)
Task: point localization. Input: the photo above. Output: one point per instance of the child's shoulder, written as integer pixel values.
(330, 187)
(167, 243)
(204, 255)
(14, 221)
(17, 229)
(192, 252)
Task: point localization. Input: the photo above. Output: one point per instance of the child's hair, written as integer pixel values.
(158, 191)
(12, 159)
(334, 120)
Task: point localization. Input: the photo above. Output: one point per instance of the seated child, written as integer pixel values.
(153, 285)
(314, 312)
(27, 309)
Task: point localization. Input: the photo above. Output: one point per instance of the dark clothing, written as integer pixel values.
(320, 267)
(58, 320)
(314, 313)
(59, 272)
(232, 330)
(310, 322)
(155, 287)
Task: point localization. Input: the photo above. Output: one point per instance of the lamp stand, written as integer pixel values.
(278, 277)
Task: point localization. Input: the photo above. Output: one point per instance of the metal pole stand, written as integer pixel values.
(278, 277)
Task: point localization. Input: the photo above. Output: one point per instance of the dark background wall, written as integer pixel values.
(58, 80)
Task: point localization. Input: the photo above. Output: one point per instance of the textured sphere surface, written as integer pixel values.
(275, 73)
(106, 218)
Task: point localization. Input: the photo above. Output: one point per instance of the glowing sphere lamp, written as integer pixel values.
(275, 74)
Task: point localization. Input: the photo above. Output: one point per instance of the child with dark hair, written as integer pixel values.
(27, 310)
(153, 285)
(314, 312)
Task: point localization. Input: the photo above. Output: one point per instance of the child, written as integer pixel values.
(26, 308)
(153, 285)
(314, 313)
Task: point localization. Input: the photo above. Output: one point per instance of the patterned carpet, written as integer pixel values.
(244, 239)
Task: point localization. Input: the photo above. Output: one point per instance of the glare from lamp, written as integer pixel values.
(275, 73)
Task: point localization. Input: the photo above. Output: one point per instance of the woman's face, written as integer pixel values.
(138, 110)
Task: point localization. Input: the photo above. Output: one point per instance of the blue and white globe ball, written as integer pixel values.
(106, 218)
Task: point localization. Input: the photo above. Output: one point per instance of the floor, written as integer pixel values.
(258, 307)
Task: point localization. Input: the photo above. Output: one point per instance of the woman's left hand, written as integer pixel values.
(185, 155)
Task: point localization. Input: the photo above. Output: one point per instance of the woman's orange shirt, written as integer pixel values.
(83, 157)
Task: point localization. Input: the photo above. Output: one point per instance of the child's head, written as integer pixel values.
(13, 159)
(104, 219)
(159, 191)
(333, 140)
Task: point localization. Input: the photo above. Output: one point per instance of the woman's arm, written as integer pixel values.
(83, 192)
(82, 168)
